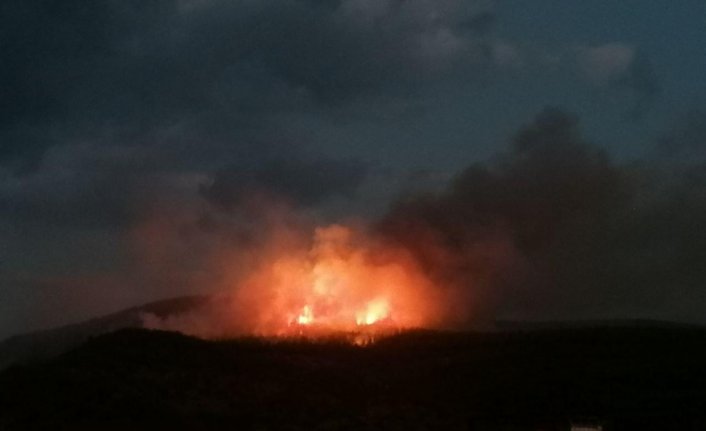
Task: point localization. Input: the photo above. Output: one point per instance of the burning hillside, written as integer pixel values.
(342, 281)
(553, 229)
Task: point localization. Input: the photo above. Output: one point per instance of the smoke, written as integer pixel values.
(332, 279)
(552, 228)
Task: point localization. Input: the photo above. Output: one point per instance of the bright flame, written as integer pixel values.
(343, 282)
(306, 317)
(374, 312)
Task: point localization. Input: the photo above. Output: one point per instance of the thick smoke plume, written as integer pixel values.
(553, 229)
(550, 229)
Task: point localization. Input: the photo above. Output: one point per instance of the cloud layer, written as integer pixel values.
(139, 140)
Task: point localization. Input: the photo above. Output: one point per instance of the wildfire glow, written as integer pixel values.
(306, 317)
(342, 282)
(375, 311)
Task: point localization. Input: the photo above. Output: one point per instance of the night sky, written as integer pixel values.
(557, 146)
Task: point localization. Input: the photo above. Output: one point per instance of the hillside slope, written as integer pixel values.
(627, 378)
(45, 344)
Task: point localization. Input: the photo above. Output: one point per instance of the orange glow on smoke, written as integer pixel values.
(342, 282)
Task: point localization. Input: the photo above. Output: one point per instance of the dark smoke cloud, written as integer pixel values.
(554, 229)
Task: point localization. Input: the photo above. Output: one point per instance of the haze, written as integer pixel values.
(545, 160)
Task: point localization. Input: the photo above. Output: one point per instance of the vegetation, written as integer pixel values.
(627, 378)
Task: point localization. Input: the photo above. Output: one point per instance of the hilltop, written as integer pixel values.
(628, 378)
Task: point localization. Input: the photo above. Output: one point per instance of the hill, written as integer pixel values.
(45, 344)
(625, 378)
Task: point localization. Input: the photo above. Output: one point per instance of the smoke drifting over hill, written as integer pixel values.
(151, 150)
(552, 228)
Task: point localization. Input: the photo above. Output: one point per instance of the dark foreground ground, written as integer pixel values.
(628, 379)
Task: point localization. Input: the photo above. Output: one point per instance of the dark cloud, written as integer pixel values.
(73, 70)
(59, 61)
(298, 182)
(481, 23)
(111, 106)
(644, 84)
(108, 105)
(621, 66)
(686, 139)
(555, 229)
(94, 187)
(162, 117)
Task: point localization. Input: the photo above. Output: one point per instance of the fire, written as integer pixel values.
(374, 312)
(306, 317)
(342, 282)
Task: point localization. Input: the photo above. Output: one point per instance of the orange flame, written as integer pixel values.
(343, 282)
(306, 317)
